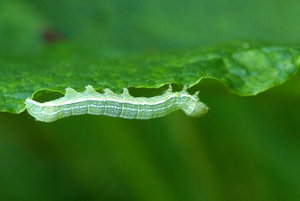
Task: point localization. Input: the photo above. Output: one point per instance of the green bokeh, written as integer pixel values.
(243, 149)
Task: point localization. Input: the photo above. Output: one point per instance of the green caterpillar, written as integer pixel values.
(116, 105)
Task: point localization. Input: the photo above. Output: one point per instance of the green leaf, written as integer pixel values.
(245, 69)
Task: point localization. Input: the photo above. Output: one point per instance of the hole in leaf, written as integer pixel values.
(46, 95)
(151, 92)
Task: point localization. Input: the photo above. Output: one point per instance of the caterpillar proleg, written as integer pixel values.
(116, 105)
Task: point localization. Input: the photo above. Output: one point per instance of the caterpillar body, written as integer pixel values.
(116, 105)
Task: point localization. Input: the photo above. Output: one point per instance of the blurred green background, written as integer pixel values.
(245, 148)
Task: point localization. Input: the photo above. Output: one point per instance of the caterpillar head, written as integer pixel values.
(200, 109)
(193, 106)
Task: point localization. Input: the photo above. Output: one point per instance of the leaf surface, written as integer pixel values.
(245, 69)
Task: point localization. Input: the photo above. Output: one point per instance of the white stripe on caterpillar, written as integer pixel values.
(116, 105)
